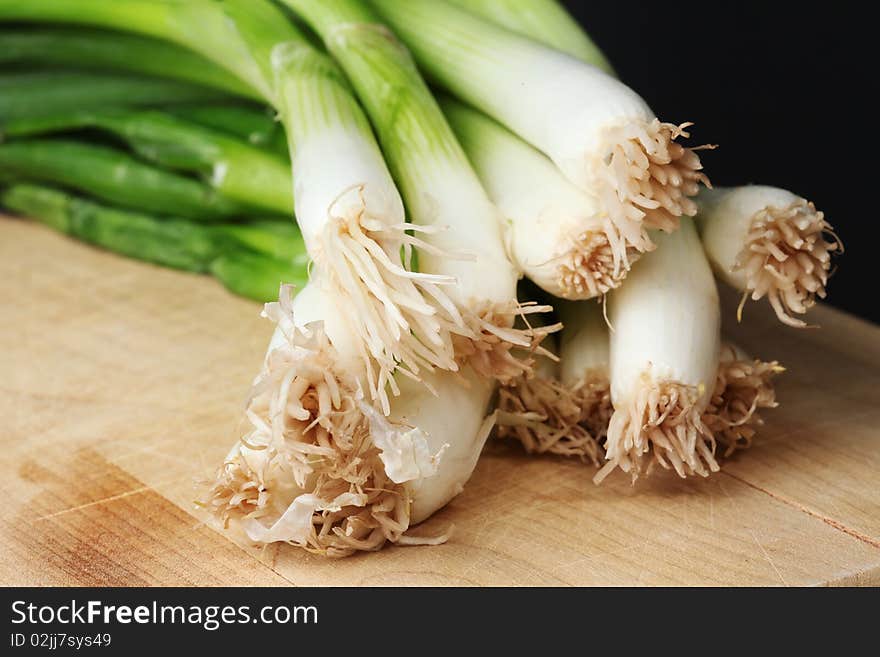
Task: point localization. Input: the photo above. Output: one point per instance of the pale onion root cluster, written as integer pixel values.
(545, 417)
(787, 258)
(647, 179)
(661, 425)
(403, 318)
(237, 491)
(490, 339)
(592, 394)
(742, 388)
(549, 418)
(306, 418)
(595, 263)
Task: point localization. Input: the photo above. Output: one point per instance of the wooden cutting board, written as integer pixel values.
(122, 383)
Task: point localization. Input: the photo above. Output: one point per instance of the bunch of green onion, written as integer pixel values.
(188, 133)
(110, 138)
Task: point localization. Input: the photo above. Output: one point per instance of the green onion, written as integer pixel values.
(390, 464)
(765, 241)
(664, 359)
(546, 21)
(99, 49)
(239, 171)
(114, 176)
(46, 93)
(544, 164)
(599, 132)
(555, 233)
(743, 386)
(402, 467)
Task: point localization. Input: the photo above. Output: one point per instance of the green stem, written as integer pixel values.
(238, 170)
(546, 21)
(254, 40)
(28, 95)
(413, 132)
(251, 260)
(112, 175)
(279, 239)
(257, 277)
(89, 48)
(257, 126)
(239, 35)
(169, 242)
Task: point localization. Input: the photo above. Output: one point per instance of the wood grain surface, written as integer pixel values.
(122, 384)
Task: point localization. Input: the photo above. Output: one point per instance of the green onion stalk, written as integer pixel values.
(251, 260)
(59, 47)
(237, 170)
(114, 176)
(768, 242)
(545, 21)
(48, 93)
(255, 125)
(555, 231)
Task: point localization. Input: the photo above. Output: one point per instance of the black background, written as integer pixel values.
(783, 89)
